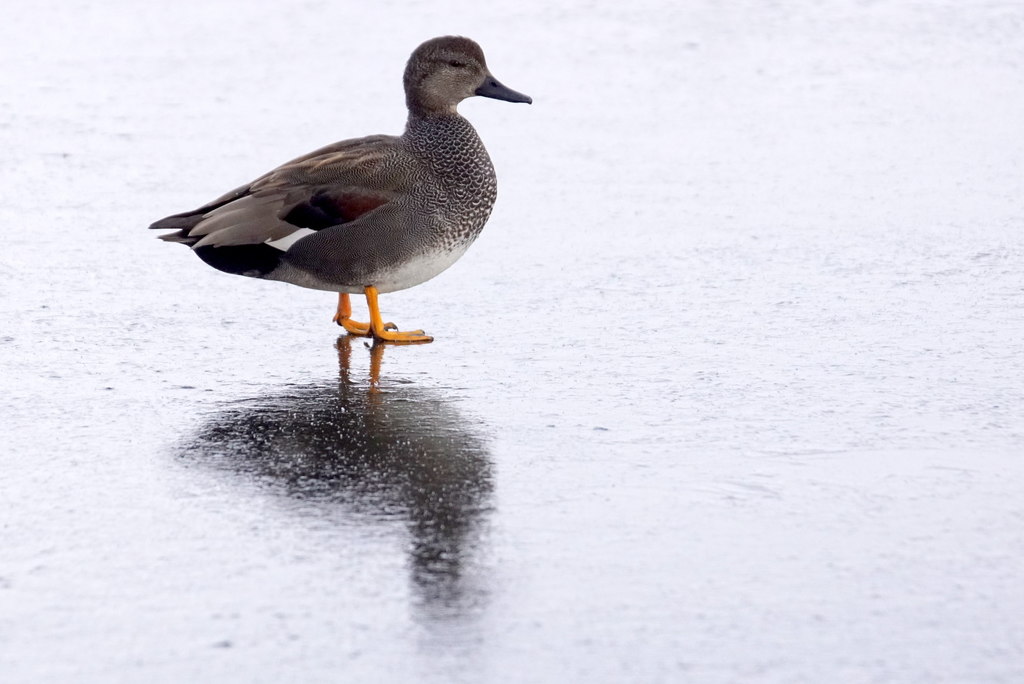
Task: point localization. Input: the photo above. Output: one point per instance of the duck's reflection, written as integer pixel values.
(387, 452)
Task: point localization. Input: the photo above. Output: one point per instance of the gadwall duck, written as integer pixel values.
(368, 215)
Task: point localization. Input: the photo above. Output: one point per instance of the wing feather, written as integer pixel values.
(328, 187)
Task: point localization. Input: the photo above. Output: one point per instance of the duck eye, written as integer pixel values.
(457, 64)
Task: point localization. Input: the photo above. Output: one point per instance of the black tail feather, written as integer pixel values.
(187, 220)
(254, 261)
(183, 222)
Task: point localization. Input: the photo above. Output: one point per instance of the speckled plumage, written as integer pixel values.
(383, 211)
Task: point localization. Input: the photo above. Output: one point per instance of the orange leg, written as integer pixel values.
(387, 332)
(343, 318)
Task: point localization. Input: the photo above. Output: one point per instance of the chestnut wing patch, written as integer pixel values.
(325, 209)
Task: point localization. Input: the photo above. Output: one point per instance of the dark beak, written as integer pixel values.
(492, 87)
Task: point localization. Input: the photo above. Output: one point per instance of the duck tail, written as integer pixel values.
(187, 220)
(181, 230)
(181, 224)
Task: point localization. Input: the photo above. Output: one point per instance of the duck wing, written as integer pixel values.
(328, 187)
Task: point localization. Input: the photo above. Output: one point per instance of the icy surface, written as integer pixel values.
(731, 389)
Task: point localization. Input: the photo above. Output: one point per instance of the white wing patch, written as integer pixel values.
(285, 243)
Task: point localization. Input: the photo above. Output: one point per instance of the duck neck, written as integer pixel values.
(452, 148)
(431, 130)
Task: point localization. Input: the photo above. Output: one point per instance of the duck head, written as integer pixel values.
(443, 72)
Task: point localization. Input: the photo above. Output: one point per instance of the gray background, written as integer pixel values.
(730, 389)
